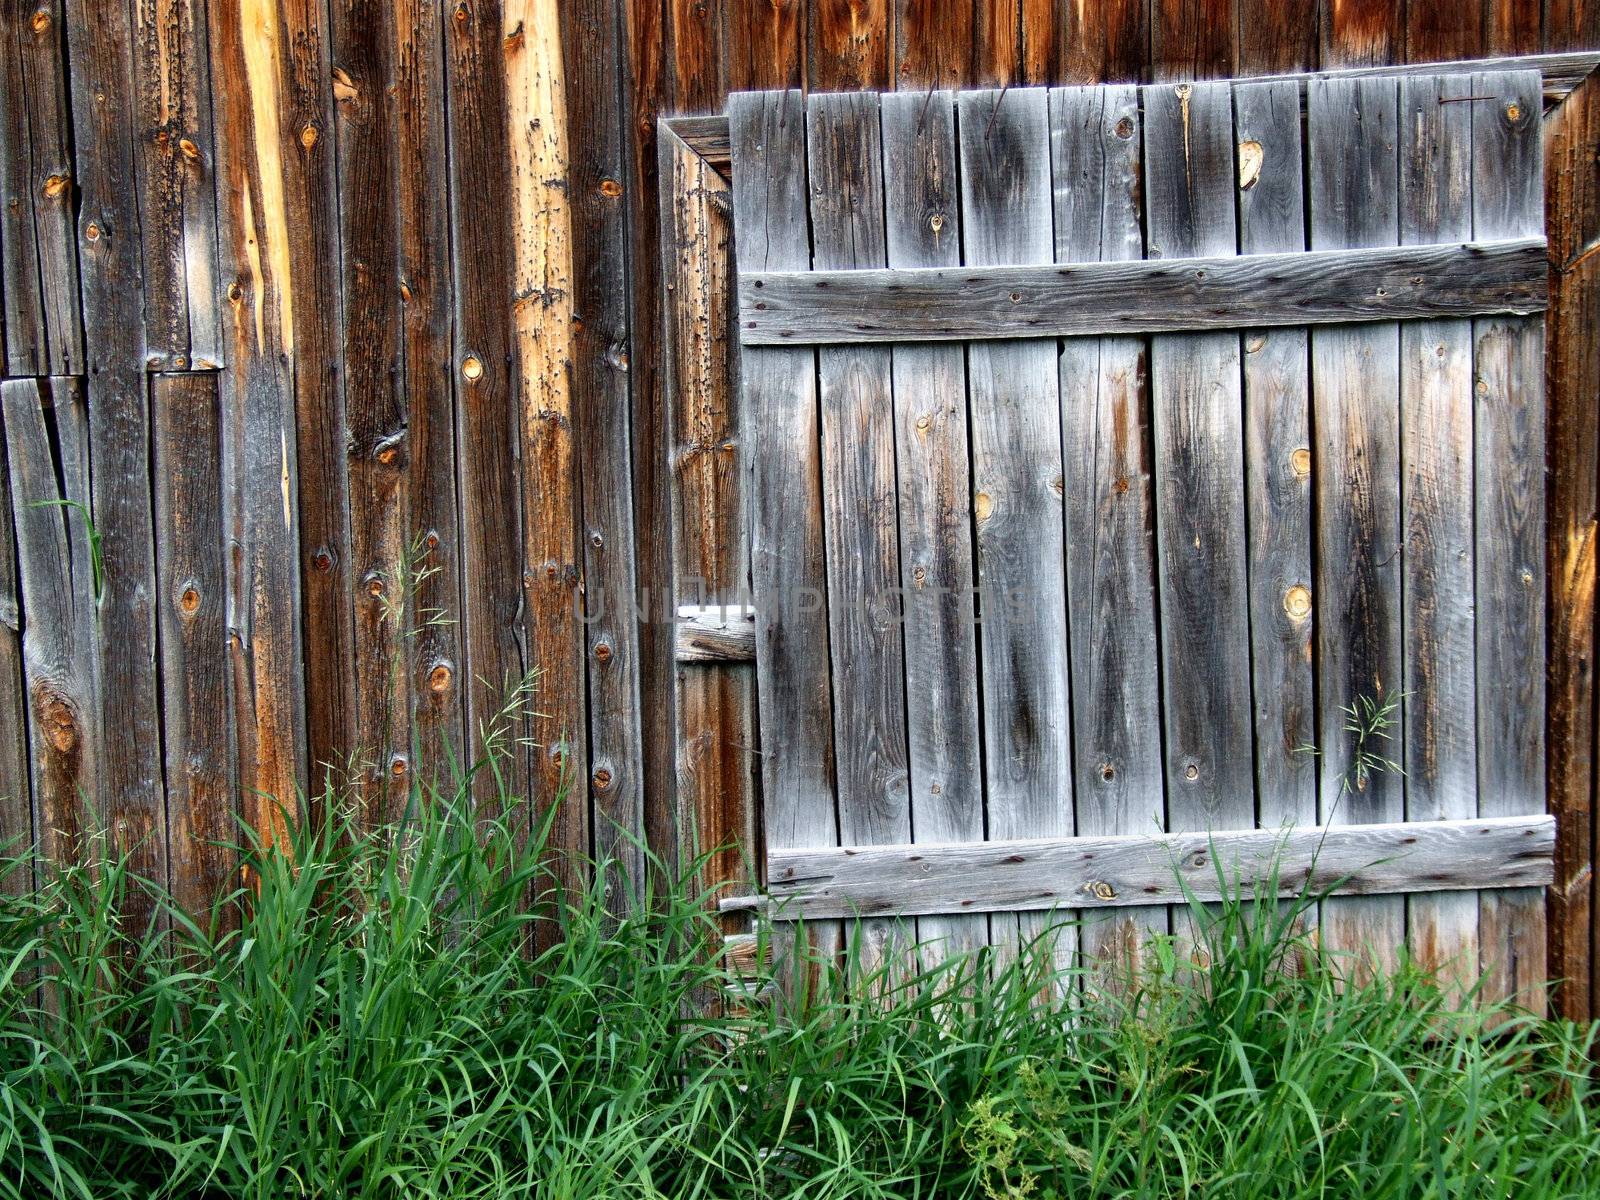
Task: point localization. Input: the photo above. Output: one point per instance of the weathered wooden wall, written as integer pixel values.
(303, 297)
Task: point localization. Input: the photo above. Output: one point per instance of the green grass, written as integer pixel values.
(377, 1027)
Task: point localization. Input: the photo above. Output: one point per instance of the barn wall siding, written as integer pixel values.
(370, 294)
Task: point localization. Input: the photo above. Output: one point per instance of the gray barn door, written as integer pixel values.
(1142, 473)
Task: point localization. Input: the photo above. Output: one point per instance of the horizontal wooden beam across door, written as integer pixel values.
(707, 136)
(1106, 872)
(1154, 295)
(716, 633)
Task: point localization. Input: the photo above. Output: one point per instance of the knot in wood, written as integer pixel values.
(322, 560)
(398, 766)
(375, 583)
(1101, 890)
(60, 723)
(602, 652)
(1300, 460)
(1297, 602)
(188, 149)
(439, 677)
(235, 293)
(41, 21)
(431, 540)
(472, 366)
(308, 135)
(189, 601)
(1191, 771)
(602, 779)
(91, 231)
(1107, 772)
(1513, 112)
(1124, 129)
(56, 185)
(610, 188)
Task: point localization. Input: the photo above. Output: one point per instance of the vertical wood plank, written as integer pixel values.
(1509, 434)
(1105, 437)
(590, 38)
(715, 732)
(848, 46)
(1512, 27)
(1193, 39)
(696, 54)
(1040, 49)
(1201, 549)
(259, 460)
(1360, 33)
(177, 195)
(288, 43)
(543, 318)
(422, 221)
(786, 536)
(1278, 466)
(17, 834)
(1353, 133)
(487, 429)
(57, 583)
(922, 220)
(1572, 375)
(1017, 492)
(647, 94)
(997, 41)
(38, 237)
(933, 43)
(362, 47)
(187, 432)
(1570, 24)
(1436, 483)
(859, 513)
(99, 41)
(1277, 36)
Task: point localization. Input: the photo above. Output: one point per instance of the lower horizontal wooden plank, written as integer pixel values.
(1143, 296)
(1106, 872)
(717, 633)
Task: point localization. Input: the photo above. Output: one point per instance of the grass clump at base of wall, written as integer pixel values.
(376, 1025)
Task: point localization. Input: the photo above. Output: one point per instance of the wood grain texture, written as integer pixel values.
(1572, 374)
(496, 658)
(859, 514)
(38, 235)
(47, 454)
(923, 227)
(177, 195)
(543, 328)
(433, 602)
(1095, 150)
(191, 610)
(1436, 489)
(362, 48)
(99, 41)
(259, 461)
(1185, 293)
(765, 44)
(847, 47)
(1509, 433)
(714, 732)
(603, 443)
(1107, 872)
(1017, 483)
(1104, 42)
(1353, 143)
(16, 791)
(1358, 33)
(1193, 39)
(1435, 30)
(1276, 36)
(934, 43)
(1278, 465)
(779, 404)
(1201, 549)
